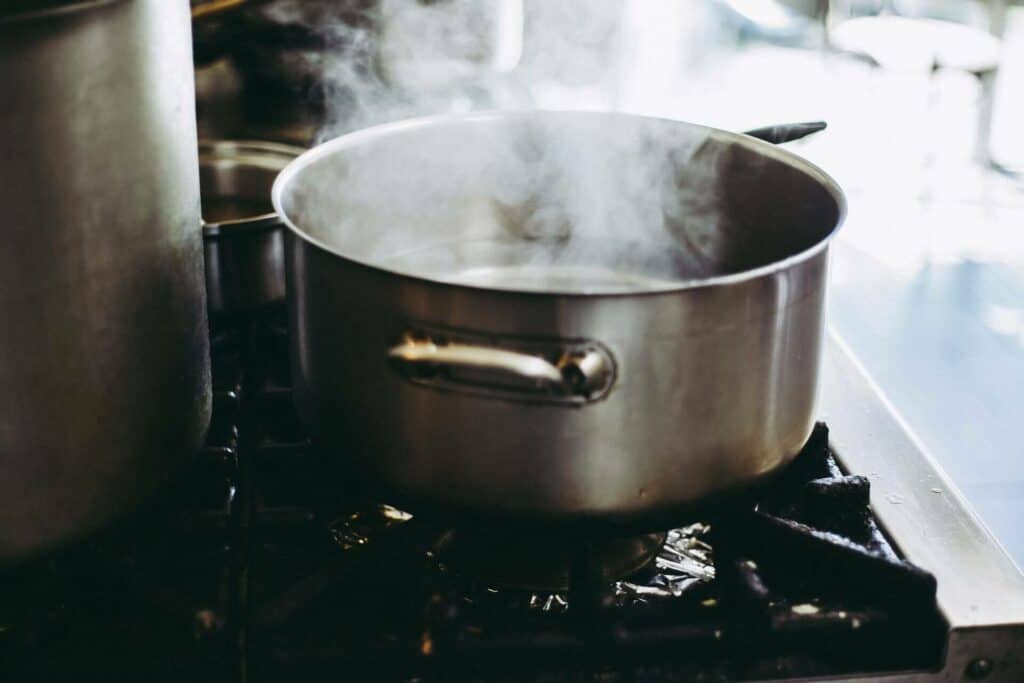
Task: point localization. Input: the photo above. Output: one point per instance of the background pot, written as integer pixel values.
(242, 234)
(104, 357)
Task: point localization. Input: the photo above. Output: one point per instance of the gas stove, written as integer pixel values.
(861, 562)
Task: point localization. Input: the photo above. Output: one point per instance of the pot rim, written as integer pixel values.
(56, 8)
(274, 156)
(360, 136)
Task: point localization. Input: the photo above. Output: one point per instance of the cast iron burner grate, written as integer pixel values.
(252, 569)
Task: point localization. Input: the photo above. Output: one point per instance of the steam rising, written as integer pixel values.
(580, 202)
(394, 59)
(558, 201)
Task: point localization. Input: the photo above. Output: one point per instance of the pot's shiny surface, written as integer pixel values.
(713, 378)
(243, 240)
(105, 361)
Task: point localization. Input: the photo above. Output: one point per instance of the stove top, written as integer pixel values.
(860, 561)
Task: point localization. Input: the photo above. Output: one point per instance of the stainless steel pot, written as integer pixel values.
(104, 357)
(242, 235)
(556, 315)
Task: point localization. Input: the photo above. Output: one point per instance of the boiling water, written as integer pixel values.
(578, 279)
(570, 267)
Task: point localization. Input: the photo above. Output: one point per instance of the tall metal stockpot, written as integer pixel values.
(104, 358)
(556, 316)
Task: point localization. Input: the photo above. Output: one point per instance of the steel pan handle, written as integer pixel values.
(579, 373)
(786, 132)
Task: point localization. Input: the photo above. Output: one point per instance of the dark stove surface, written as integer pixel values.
(250, 568)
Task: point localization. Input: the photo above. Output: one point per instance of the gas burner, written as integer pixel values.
(798, 578)
(538, 562)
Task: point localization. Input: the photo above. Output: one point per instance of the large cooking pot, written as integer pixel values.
(556, 316)
(104, 357)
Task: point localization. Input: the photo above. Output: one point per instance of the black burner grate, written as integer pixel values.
(252, 568)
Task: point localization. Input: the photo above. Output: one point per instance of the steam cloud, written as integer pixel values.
(587, 204)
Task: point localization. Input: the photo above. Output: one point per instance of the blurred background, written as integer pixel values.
(923, 98)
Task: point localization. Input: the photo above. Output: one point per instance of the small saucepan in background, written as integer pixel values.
(241, 233)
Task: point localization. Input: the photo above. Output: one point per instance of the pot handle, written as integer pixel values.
(786, 132)
(578, 374)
